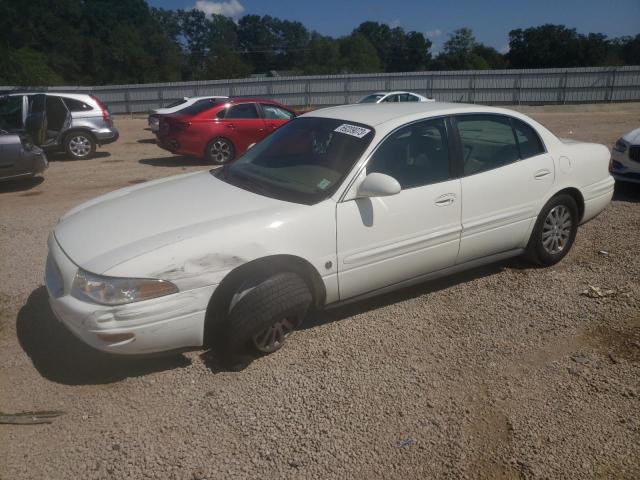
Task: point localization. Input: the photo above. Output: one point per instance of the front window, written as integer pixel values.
(11, 112)
(371, 98)
(305, 161)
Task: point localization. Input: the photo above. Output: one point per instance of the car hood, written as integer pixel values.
(127, 223)
(633, 137)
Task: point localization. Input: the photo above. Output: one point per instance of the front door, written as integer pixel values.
(385, 240)
(507, 173)
(35, 124)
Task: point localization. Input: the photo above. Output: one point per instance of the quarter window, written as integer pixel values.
(243, 110)
(415, 155)
(529, 142)
(488, 142)
(76, 105)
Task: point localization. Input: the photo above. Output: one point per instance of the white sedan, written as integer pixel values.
(154, 116)
(337, 205)
(625, 158)
(394, 97)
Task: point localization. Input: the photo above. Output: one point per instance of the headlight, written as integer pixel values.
(118, 291)
(620, 146)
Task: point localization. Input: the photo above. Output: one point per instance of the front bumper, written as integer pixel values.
(106, 135)
(158, 325)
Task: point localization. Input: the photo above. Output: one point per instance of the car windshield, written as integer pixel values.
(303, 161)
(371, 98)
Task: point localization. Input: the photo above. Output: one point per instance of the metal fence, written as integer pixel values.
(491, 87)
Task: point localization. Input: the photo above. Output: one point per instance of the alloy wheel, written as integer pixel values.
(556, 229)
(220, 151)
(272, 338)
(80, 146)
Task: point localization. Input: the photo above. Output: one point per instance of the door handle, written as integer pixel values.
(540, 174)
(446, 199)
(230, 125)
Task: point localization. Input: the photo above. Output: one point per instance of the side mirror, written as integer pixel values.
(378, 185)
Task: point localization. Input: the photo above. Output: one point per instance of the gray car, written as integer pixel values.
(19, 158)
(75, 123)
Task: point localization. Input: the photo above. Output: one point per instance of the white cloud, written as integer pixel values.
(433, 33)
(504, 49)
(395, 23)
(230, 8)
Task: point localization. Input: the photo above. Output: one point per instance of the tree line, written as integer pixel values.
(99, 42)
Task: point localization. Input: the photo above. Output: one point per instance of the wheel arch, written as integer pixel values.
(261, 267)
(74, 130)
(576, 195)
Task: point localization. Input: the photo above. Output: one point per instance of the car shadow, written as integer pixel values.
(627, 192)
(20, 185)
(62, 358)
(323, 317)
(216, 363)
(64, 157)
(175, 161)
(148, 140)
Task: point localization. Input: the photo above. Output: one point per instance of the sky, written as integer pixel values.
(490, 20)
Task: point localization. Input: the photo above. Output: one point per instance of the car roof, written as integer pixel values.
(375, 114)
(395, 92)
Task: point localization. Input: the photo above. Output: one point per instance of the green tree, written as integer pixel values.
(358, 55)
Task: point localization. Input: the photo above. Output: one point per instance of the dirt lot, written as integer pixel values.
(502, 372)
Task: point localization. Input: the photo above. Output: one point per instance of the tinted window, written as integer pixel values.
(528, 140)
(176, 103)
(412, 98)
(488, 142)
(276, 113)
(371, 98)
(244, 110)
(76, 105)
(415, 155)
(198, 107)
(392, 98)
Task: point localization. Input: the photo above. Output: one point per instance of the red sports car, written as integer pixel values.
(220, 130)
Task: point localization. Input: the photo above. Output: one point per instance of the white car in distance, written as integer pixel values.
(336, 205)
(394, 97)
(173, 107)
(625, 158)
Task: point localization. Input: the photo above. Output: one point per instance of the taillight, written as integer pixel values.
(105, 115)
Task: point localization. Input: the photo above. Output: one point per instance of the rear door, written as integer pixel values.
(243, 125)
(506, 175)
(36, 121)
(275, 116)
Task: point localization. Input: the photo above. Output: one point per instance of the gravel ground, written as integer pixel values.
(502, 372)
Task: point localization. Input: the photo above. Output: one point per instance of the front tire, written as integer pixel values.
(263, 316)
(554, 232)
(79, 145)
(219, 151)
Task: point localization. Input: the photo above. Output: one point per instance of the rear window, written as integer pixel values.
(198, 107)
(176, 103)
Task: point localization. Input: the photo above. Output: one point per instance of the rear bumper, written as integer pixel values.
(106, 135)
(596, 197)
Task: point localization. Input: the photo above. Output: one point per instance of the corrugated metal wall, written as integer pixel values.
(508, 87)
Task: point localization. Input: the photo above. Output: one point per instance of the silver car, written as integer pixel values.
(19, 158)
(75, 123)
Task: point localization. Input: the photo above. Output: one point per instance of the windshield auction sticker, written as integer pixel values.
(352, 130)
